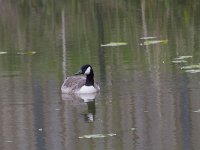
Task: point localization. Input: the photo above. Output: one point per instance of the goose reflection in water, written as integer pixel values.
(77, 100)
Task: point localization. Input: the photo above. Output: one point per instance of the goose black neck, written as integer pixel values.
(90, 79)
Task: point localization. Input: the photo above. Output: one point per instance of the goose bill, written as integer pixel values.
(79, 72)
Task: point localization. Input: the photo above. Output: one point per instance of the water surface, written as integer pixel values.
(146, 101)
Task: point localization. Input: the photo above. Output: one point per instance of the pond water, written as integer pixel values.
(148, 100)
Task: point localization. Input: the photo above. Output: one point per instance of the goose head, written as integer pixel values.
(85, 69)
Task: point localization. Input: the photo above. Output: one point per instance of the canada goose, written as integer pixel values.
(81, 84)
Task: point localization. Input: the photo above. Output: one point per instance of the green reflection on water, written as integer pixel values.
(80, 27)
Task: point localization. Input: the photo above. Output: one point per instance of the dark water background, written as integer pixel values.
(146, 101)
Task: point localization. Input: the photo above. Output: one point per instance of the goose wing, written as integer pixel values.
(96, 85)
(73, 83)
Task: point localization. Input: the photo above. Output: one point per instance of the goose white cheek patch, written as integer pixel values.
(87, 70)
